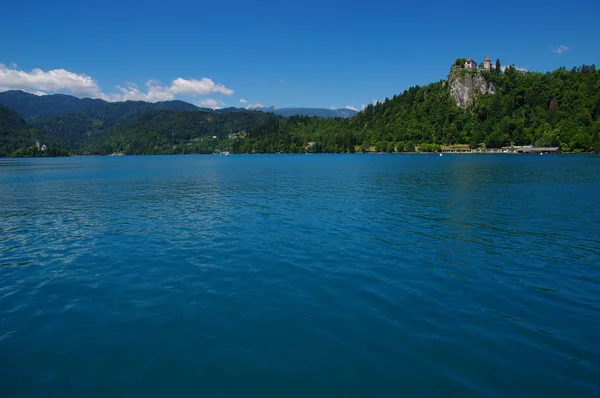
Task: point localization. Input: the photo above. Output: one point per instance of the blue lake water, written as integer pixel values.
(298, 276)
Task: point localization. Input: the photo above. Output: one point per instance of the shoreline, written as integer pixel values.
(321, 153)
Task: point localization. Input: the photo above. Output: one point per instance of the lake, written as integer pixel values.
(300, 275)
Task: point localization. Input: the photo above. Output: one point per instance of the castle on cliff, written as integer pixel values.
(464, 87)
(472, 65)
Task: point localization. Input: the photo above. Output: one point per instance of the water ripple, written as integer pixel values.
(360, 275)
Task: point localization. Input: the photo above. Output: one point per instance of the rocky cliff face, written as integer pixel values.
(466, 85)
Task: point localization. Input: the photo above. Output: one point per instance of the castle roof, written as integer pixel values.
(469, 59)
(488, 59)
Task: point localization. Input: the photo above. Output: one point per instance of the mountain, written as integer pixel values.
(33, 107)
(17, 138)
(11, 120)
(317, 112)
(72, 129)
(473, 108)
(130, 127)
(73, 122)
(170, 132)
(14, 131)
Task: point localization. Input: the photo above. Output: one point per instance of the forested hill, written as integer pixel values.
(72, 130)
(509, 107)
(16, 134)
(528, 108)
(156, 131)
(559, 108)
(170, 132)
(13, 131)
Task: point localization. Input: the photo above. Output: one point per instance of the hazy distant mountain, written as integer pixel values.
(318, 112)
(33, 107)
(230, 110)
(286, 112)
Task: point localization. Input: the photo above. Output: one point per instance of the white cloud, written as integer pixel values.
(156, 91)
(194, 87)
(363, 106)
(560, 49)
(39, 93)
(352, 108)
(243, 101)
(14, 66)
(211, 103)
(60, 80)
(254, 106)
(41, 82)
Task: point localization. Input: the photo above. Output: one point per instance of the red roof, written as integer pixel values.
(487, 59)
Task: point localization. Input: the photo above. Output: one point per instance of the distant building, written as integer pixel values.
(44, 147)
(487, 64)
(37, 144)
(472, 65)
(531, 149)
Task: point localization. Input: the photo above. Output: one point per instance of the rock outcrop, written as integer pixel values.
(466, 85)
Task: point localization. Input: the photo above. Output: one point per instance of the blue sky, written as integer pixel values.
(309, 53)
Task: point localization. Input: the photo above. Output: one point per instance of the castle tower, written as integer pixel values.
(487, 64)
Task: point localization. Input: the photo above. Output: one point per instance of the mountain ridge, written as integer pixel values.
(554, 109)
(316, 112)
(35, 107)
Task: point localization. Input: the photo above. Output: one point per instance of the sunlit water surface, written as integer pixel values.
(300, 276)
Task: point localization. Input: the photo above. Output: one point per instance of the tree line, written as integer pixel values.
(560, 108)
